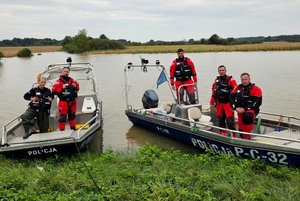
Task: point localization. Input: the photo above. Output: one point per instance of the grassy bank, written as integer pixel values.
(152, 174)
(272, 46)
(12, 51)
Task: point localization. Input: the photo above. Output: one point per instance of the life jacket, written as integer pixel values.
(69, 93)
(182, 72)
(243, 98)
(43, 103)
(222, 90)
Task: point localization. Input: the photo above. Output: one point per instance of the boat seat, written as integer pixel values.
(167, 107)
(195, 115)
(88, 105)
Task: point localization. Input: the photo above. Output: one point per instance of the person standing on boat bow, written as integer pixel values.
(221, 89)
(39, 107)
(246, 99)
(66, 89)
(182, 72)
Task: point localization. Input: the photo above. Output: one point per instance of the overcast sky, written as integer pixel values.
(142, 20)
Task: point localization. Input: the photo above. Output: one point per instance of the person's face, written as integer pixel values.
(180, 54)
(245, 80)
(222, 71)
(42, 83)
(65, 72)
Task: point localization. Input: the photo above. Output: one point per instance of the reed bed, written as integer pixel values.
(156, 49)
(271, 46)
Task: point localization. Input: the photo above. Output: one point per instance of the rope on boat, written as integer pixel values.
(87, 169)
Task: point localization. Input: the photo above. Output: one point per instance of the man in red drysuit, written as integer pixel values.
(246, 99)
(66, 89)
(182, 71)
(221, 89)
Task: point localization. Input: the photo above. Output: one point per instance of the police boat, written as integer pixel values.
(88, 119)
(275, 137)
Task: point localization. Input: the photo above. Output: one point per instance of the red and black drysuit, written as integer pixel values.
(221, 89)
(250, 98)
(67, 100)
(184, 72)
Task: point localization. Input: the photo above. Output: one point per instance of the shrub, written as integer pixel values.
(1, 55)
(25, 52)
(105, 44)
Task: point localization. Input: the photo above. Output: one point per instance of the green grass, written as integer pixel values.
(151, 174)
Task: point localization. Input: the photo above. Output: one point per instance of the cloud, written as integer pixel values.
(142, 20)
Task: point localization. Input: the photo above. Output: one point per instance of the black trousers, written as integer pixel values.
(42, 120)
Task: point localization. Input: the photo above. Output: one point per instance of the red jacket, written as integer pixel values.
(221, 89)
(190, 65)
(58, 90)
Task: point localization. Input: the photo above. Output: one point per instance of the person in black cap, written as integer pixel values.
(246, 99)
(66, 89)
(182, 72)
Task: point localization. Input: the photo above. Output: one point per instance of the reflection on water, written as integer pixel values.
(137, 136)
(276, 73)
(97, 143)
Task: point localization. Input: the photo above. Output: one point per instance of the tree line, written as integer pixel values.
(103, 43)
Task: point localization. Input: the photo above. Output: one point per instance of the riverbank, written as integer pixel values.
(151, 174)
(12, 51)
(270, 46)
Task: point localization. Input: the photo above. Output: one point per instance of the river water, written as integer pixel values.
(277, 73)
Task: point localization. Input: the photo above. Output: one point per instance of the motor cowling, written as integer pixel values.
(150, 99)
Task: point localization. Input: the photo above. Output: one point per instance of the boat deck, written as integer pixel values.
(56, 135)
(289, 134)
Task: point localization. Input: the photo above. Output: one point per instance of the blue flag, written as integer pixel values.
(161, 79)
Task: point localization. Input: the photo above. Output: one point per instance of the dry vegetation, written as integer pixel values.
(12, 51)
(268, 46)
(272, 46)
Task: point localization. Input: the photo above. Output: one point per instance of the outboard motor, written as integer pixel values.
(150, 99)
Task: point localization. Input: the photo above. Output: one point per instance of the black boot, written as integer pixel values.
(26, 135)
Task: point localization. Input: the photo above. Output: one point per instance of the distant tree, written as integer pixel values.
(81, 43)
(214, 39)
(105, 44)
(66, 40)
(191, 41)
(25, 52)
(102, 36)
(203, 41)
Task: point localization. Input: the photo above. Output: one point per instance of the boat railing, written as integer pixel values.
(197, 126)
(280, 118)
(99, 111)
(65, 64)
(7, 127)
(93, 82)
(187, 85)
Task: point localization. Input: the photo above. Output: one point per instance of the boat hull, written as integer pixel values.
(205, 140)
(47, 149)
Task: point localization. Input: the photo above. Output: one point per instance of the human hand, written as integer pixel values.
(240, 110)
(65, 86)
(173, 87)
(49, 98)
(34, 99)
(74, 85)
